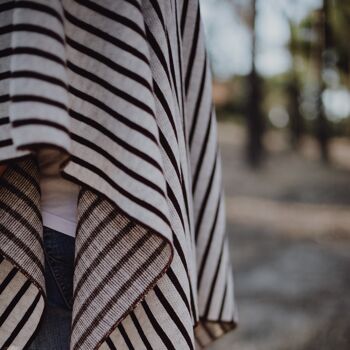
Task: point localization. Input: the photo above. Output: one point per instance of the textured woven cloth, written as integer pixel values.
(123, 88)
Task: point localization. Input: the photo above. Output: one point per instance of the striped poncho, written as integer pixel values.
(123, 88)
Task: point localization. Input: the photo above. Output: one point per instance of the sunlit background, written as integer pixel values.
(281, 72)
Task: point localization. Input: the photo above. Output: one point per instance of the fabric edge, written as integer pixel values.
(150, 231)
(41, 291)
(204, 325)
(144, 293)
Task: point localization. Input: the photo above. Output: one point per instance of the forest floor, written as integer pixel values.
(289, 230)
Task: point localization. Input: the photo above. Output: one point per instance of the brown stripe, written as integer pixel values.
(5, 185)
(25, 173)
(33, 122)
(95, 232)
(115, 269)
(87, 211)
(223, 300)
(17, 216)
(117, 296)
(116, 239)
(20, 244)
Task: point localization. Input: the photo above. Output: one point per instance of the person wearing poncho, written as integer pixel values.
(123, 89)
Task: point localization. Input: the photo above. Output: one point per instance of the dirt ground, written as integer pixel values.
(289, 229)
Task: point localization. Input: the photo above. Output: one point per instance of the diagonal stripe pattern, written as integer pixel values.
(22, 284)
(124, 89)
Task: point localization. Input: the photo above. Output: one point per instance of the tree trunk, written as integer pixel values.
(293, 90)
(254, 116)
(322, 125)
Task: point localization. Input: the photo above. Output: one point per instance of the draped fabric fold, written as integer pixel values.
(22, 283)
(123, 88)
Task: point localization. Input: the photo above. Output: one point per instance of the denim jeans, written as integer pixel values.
(54, 330)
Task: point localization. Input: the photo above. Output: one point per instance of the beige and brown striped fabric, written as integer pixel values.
(22, 283)
(124, 89)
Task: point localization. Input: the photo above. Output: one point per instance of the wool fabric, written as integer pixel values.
(123, 89)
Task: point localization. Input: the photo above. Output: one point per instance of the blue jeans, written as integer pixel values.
(54, 330)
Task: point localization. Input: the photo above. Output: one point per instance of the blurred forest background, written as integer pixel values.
(281, 73)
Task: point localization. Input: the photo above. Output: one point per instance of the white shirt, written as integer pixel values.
(58, 195)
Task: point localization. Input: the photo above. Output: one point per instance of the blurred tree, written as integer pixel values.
(322, 48)
(327, 30)
(255, 119)
(319, 74)
(339, 19)
(293, 89)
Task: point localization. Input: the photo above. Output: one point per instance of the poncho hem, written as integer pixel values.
(150, 231)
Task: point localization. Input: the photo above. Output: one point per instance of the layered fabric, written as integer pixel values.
(123, 88)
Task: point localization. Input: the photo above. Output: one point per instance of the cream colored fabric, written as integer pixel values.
(123, 88)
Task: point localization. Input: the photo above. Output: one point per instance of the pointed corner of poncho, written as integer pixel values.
(118, 260)
(142, 296)
(207, 331)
